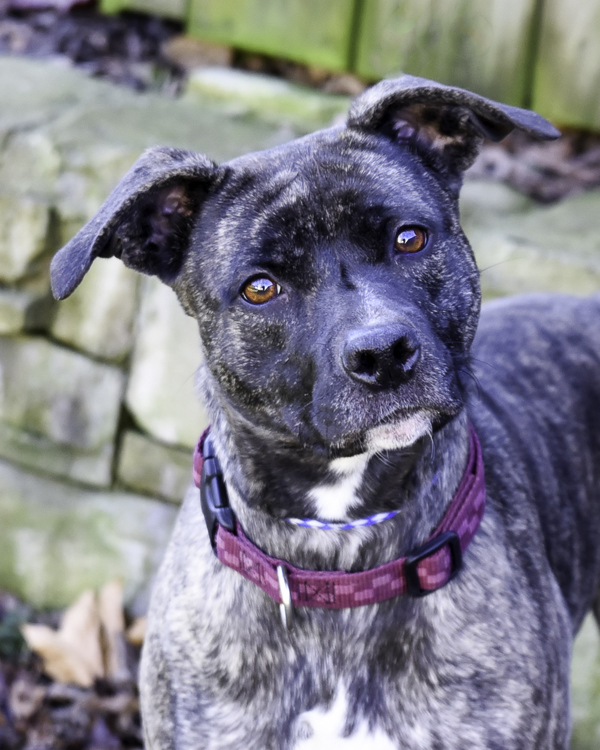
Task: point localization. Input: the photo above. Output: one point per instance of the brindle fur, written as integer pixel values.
(482, 663)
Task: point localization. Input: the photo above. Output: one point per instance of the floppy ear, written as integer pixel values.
(146, 221)
(445, 124)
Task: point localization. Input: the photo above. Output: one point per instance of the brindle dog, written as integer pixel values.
(337, 300)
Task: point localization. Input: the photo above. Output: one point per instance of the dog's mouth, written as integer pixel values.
(399, 433)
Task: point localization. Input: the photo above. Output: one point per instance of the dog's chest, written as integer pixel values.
(326, 729)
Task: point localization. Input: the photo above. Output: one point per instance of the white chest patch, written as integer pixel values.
(323, 729)
(333, 501)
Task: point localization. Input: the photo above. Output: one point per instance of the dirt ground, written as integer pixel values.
(37, 713)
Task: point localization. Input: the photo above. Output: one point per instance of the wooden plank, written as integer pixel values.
(567, 80)
(175, 9)
(482, 45)
(310, 31)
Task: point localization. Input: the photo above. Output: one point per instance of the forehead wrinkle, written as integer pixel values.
(316, 193)
(367, 174)
(277, 183)
(248, 194)
(293, 198)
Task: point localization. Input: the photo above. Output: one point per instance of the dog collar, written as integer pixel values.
(426, 569)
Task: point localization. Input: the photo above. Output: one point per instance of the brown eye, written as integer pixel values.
(259, 290)
(410, 240)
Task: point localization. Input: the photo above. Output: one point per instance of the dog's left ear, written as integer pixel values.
(146, 221)
(445, 124)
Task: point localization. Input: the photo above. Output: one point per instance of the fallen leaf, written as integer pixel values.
(110, 606)
(73, 653)
(61, 662)
(110, 609)
(80, 628)
(137, 631)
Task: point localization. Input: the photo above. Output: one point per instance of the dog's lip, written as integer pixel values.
(356, 443)
(353, 447)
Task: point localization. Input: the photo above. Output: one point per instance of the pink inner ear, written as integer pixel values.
(176, 201)
(420, 124)
(404, 129)
(171, 204)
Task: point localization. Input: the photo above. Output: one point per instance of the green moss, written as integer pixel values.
(271, 99)
(57, 540)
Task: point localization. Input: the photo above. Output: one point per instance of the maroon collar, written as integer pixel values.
(423, 571)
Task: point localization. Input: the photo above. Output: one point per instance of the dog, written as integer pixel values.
(396, 534)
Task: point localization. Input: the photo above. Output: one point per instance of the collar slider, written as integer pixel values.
(414, 585)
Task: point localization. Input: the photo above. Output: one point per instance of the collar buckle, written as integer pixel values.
(213, 494)
(411, 572)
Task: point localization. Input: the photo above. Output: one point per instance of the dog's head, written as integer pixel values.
(336, 294)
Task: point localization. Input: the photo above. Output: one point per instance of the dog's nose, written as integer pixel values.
(381, 357)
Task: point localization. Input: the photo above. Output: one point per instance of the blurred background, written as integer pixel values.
(98, 414)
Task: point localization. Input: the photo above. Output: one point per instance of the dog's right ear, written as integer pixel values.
(146, 221)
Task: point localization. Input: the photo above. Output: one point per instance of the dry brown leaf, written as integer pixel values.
(90, 642)
(61, 662)
(110, 609)
(80, 628)
(110, 606)
(73, 653)
(137, 631)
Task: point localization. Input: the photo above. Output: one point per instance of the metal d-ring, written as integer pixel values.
(286, 608)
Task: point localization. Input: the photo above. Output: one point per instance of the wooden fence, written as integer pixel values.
(539, 53)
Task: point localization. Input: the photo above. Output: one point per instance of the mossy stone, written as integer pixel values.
(57, 540)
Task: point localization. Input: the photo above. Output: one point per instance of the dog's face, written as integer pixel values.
(335, 291)
(336, 294)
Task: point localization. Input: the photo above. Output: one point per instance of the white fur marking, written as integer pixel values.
(349, 464)
(398, 434)
(333, 501)
(323, 729)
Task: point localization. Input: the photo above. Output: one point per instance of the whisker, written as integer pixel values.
(499, 263)
(483, 362)
(473, 377)
(431, 442)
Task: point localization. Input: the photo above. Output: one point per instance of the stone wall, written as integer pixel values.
(98, 414)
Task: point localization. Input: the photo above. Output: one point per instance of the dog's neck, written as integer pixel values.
(268, 484)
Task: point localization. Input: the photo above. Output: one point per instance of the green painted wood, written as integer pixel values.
(585, 688)
(309, 31)
(482, 45)
(175, 9)
(567, 80)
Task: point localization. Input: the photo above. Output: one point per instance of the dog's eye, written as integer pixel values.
(410, 240)
(259, 290)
